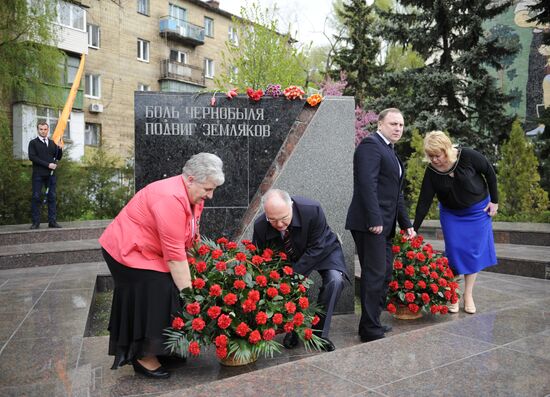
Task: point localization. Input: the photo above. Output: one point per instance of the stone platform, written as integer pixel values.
(503, 350)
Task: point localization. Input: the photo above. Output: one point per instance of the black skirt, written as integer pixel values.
(143, 304)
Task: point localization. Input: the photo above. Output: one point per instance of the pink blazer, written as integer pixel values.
(156, 226)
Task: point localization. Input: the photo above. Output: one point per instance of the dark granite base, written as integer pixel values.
(522, 268)
(50, 258)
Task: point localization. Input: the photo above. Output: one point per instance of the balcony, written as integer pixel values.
(51, 95)
(184, 32)
(171, 70)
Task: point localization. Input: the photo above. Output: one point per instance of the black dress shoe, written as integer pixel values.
(291, 340)
(369, 338)
(171, 361)
(387, 328)
(159, 373)
(35, 226)
(328, 346)
(54, 224)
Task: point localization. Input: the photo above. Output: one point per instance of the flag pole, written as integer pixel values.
(57, 136)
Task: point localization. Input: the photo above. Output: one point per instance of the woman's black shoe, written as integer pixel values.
(159, 373)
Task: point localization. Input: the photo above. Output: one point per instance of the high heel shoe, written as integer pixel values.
(453, 307)
(159, 373)
(471, 309)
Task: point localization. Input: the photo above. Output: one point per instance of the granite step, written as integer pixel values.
(518, 260)
(505, 232)
(78, 230)
(50, 253)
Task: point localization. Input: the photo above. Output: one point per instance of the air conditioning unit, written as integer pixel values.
(96, 108)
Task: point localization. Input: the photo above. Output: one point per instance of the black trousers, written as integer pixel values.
(329, 293)
(376, 259)
(38, 183)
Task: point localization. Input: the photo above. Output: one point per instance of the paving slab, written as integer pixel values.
(501, 350)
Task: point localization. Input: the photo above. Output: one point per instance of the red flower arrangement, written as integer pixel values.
(254, 95)
(314, 99)
(422, 278)
(239, 300)
(232, 93)
(293, 92)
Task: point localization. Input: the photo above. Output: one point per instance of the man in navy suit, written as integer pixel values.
(310, 245)
(376, 205)
(44, 154)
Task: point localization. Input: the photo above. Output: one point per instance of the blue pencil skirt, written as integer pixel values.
(468, 234)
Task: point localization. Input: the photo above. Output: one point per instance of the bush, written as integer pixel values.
(108, 185)
(520, 194)
(15, 182)
(97, 188)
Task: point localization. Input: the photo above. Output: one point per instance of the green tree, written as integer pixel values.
(261, 56)
(358, 53)
(519, 189)
(416, 166)
(26, 29)
(453, 91)
(24, 65)
(399, 58)
(15, 182)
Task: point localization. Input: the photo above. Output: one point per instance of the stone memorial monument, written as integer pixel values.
(273, 142)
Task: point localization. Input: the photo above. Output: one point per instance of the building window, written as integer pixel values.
(143, 7)
(143, 50)
(208, 68)
(232, 36)
(143, 87)
(68, 69)
(93, 86)
(93, 35)
(51, 117)
(71, 15)
(92, 134)
(72, 68)
(209, 27)
(178, 13)
(178, 56)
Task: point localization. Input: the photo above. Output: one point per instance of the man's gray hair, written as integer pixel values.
(276, 193)
(203, 166)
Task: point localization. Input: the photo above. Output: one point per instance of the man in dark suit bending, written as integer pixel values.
(376, 205)
(298, 226)
(44, 154)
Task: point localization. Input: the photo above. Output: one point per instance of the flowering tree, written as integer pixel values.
(364, 120)
(260, 55)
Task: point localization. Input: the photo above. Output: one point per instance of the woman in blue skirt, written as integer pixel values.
(465, 184)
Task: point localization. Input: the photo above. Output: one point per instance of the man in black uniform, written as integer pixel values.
(44, 154)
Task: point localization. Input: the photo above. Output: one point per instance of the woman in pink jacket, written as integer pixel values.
(145, 249)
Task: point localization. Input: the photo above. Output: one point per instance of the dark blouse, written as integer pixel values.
(465, 184)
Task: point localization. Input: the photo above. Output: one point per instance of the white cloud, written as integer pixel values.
(306, 18)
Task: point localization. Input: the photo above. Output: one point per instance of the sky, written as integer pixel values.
(306, 17)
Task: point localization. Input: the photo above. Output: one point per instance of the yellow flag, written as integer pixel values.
(57, 136)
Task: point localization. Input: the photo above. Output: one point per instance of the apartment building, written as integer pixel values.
(157, 45)
(70, 28)
(131, 45)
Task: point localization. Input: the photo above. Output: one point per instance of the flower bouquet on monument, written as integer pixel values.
(421, 281)
(240, 299)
